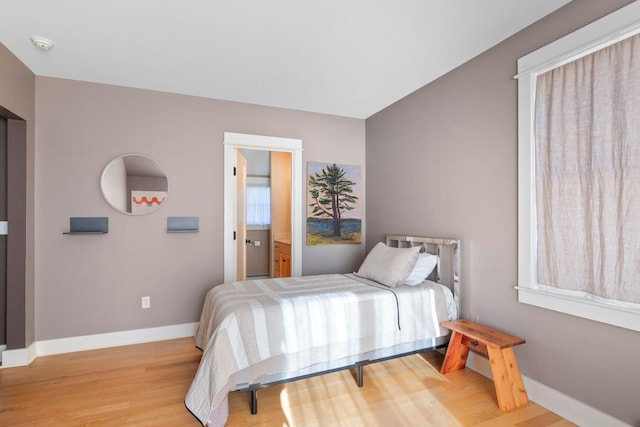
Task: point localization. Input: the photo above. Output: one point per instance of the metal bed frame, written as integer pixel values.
(447, 272)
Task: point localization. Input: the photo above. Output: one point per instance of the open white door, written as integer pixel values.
(241, 212)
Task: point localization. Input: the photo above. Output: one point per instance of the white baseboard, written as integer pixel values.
(22, 357)
(18, 357)
(565, 406)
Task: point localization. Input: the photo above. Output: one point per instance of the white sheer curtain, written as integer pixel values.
(587, 162)
(258, 206)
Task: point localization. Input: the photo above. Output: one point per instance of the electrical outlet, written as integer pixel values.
(146, 302)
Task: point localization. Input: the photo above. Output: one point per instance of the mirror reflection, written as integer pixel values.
(134, 184)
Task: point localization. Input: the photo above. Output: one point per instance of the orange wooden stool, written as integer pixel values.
(498, 346)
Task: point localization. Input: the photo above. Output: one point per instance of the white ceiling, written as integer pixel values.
(345, 57)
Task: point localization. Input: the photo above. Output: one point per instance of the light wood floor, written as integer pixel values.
(145, 385)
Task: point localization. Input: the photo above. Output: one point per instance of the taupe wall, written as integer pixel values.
(93, 284)
(17, 94)
(443, 162)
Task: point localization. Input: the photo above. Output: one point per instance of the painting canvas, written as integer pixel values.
(146, 201)
(334, 212)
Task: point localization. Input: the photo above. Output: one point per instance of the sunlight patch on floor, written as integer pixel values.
(385, 399)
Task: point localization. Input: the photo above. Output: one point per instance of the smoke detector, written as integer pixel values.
(42, 42)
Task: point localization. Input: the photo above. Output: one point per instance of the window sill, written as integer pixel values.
(618, 316)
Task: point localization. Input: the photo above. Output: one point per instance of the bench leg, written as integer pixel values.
(510, 389)
(456, 356)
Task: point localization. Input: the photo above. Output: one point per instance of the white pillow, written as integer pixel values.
(389, 266)
(424, 266)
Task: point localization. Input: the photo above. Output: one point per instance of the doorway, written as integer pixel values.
(265, 198)
(3, 233)
(234, 142)
(13, 230)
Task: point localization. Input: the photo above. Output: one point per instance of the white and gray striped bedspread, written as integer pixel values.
(254, 328)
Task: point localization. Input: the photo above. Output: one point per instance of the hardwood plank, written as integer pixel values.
(145, 385)
(130, 385)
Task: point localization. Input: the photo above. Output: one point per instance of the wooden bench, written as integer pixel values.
(498, 346)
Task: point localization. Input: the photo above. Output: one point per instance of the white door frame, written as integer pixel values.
(233, 141)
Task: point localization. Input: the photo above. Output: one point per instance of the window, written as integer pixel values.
(579, 172)
(258, 205)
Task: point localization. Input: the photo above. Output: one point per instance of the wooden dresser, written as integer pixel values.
(281, 259)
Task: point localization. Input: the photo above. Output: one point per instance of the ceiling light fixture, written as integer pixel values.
(42, 42)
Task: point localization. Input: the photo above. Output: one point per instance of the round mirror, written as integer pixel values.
(134, 184)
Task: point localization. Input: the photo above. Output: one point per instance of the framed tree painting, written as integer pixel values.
(334, 213)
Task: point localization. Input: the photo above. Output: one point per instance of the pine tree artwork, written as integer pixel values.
(333, 204)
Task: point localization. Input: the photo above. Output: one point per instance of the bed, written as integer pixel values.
(258, 333)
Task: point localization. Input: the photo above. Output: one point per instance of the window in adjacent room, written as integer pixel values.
(258, 204)
(579, 173)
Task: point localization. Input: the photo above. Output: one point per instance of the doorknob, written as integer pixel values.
(248, 242)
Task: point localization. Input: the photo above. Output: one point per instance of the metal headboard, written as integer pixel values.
(447, 272)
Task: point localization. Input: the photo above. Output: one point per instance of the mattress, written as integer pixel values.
(252, 329)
